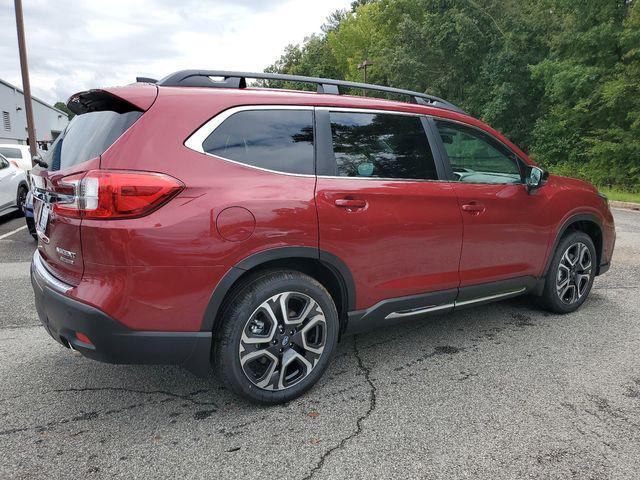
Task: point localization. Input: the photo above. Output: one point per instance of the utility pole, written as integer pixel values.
(363, 66)
(26, 86)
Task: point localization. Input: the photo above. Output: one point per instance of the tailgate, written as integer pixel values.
(102, 118)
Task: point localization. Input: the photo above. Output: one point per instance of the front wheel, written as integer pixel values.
(277, 336)
(571, 273)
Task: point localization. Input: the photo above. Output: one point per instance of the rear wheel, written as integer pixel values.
(277, 336)
(571, 273)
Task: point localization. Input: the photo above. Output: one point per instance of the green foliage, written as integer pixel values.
(621, 196)
(63, 107)
(561, 78)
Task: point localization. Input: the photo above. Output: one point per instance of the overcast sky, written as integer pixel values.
(75, 45)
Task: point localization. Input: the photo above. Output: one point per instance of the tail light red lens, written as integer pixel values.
(113, 194)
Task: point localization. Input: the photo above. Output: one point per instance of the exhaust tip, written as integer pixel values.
(66, 343)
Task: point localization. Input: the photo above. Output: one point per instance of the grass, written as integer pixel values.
(621, 196)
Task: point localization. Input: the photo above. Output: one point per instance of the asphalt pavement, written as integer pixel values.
(501, 391)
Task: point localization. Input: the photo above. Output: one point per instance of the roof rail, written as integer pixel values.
(229, 79)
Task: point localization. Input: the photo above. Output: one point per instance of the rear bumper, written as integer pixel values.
(111, 342)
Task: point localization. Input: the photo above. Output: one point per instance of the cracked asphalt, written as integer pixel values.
(502, 391)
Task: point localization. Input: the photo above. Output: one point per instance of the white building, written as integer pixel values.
(49, 121)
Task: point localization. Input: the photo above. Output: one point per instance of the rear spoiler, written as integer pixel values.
(131, 98)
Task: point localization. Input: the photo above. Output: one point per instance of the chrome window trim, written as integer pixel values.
(196, 139)
(385, 179)
(39, 271)
(371, 111)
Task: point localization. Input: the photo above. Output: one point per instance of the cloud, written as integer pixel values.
(75, 45)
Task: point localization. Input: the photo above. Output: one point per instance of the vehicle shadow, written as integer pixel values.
(8, 217)
(117, 408)
(446, 333)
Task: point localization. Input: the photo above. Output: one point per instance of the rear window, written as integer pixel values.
(88, 136)
(10, 152)
(280, 140)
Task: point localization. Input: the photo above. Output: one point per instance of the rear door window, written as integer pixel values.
(381, 145)
(279, 140)
(88, 136)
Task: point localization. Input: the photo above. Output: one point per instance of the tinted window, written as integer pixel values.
(477, 157)
(88, 136)
(4, 163)
(10, 152)
(381, 145)
(280, 140)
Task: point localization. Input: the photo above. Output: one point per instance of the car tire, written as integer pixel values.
(571, 273)
(21, 197)
(255, 340)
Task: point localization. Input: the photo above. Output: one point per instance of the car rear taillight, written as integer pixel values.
(113, 194)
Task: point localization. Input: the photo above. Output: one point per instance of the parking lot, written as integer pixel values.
(501, 391)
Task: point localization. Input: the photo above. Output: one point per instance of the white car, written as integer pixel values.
(18, 153)
(13, 186)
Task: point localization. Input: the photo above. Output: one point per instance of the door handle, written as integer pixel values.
(474, 208)
(350, 203)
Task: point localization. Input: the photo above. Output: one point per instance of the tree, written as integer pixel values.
(560, 78)
(63, 107)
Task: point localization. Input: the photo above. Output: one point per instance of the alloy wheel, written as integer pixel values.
(282, 341)
(574, 273)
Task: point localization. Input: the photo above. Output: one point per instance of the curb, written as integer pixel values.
(627, 205)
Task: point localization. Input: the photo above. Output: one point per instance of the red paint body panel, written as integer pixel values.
(509, 238)
(158, 272)
(63, 232)
(406, 240)
(182, 237)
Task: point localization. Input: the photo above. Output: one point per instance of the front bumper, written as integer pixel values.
(111, 342)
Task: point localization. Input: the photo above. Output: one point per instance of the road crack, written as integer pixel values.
(366, 371)
(85, 416)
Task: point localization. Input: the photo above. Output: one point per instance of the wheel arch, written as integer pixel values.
(583, 222)
(325, 267)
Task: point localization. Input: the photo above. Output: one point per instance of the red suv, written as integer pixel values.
(198, 222)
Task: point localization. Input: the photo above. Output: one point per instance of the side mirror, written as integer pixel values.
(536, 177)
